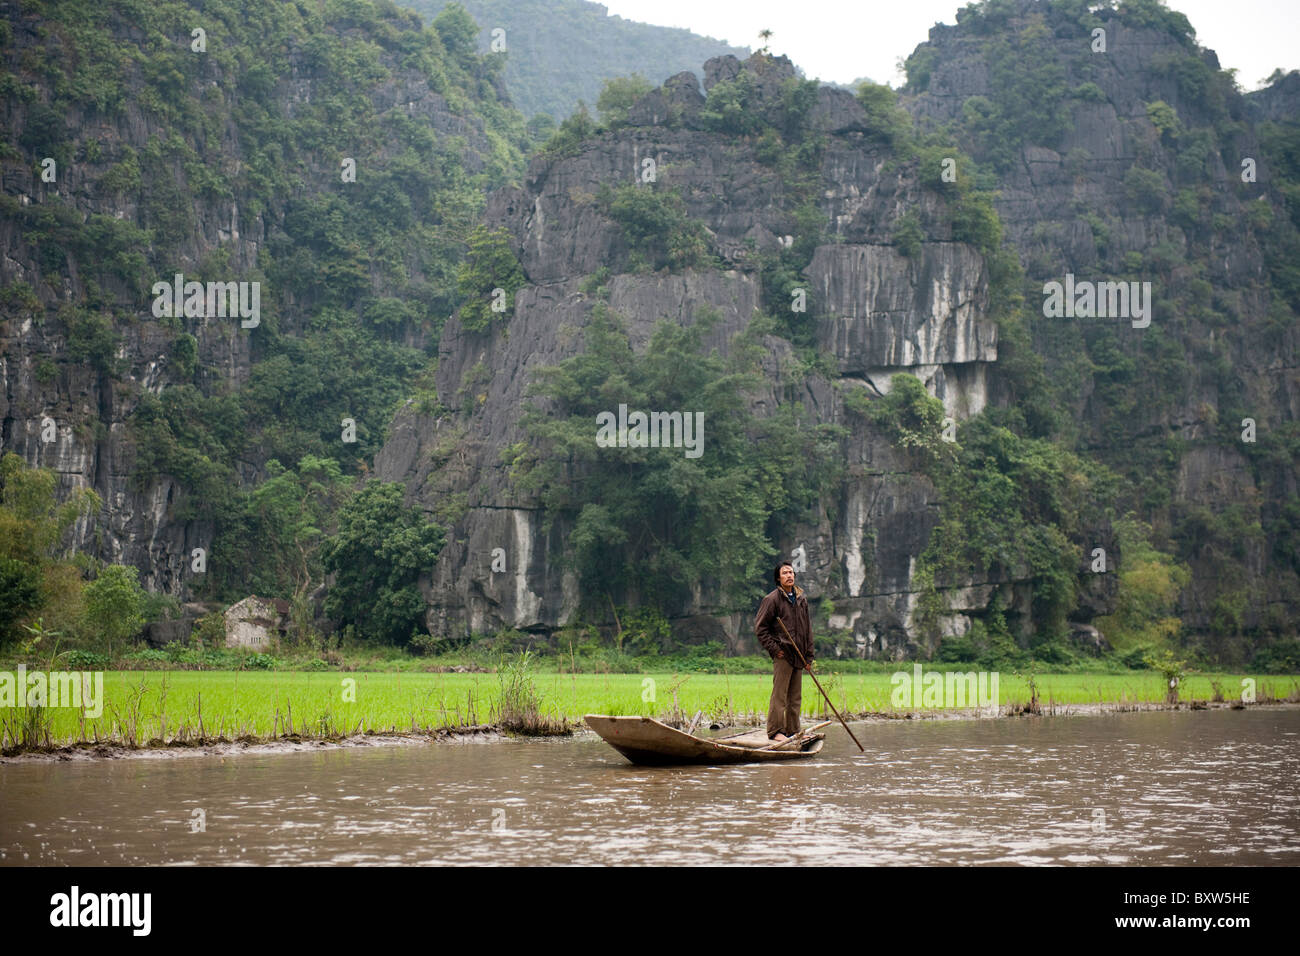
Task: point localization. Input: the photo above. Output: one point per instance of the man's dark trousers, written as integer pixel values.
(787, 695)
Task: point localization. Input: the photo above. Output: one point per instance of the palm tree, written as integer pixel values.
(764, 35)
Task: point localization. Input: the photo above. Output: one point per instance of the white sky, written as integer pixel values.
(843, 40)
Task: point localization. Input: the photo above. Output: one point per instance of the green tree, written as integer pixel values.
(1164, 118)
(540, 129)
(1146, 189)
(377, 557)
(908, 235)
(115, 605)
(489, 266)
(1009, 505)
(1150, 583)
(356, 278)
(34, 581)
(457, 30)
(657, 226)
(617, 97)
(32, 521)
(912, 418)
(1171, 669)
(886, 120)
(650, 524)
(91, 339)
(20, 596)
(290, 515)
(573, 132)
(733, 106)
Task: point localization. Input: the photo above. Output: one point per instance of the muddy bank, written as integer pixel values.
(295, 743)
(488, 733)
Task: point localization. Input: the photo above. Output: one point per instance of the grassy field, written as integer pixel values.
(148, 707)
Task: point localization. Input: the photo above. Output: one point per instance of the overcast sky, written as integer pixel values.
(843, 40)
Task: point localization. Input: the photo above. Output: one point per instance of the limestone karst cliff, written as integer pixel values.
(335, 158)
(1121, 164)
(879, 312)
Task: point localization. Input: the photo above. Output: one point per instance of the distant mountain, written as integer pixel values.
(562, 51)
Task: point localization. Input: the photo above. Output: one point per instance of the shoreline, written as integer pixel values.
(488, 733)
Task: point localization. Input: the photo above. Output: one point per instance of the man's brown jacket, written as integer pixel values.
(795, 616)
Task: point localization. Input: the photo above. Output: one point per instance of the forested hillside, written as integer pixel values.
(336, 155)
(561, 52)
(1121, 151)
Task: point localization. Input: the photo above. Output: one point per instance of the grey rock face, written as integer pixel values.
(880, 313)
(1065, 207)
(720, 69)
(678, 101)
(1088, 639)
(487, 377)
(837, 111)
(1278, 102)
(884, 313)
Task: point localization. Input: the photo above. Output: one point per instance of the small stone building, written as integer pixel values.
(255, 622)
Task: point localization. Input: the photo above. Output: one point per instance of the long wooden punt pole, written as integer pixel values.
(816, 681)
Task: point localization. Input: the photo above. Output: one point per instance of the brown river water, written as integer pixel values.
(1164, 788)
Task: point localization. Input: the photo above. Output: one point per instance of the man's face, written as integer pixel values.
(787, 577)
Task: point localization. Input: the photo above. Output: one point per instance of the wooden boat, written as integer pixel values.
(644, 740)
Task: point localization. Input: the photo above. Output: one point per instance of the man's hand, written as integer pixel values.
(810, 666)
(780, 655)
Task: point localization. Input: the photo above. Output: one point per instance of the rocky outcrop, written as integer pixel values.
(880, 313)
(883, 312)
(1222, 350)
(1278, 102)
(1071, 206)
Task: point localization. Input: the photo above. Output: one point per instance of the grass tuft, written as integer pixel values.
(519, 704)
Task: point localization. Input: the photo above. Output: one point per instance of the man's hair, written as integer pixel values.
(776, 571)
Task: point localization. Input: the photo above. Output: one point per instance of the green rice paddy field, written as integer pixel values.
(149, 707)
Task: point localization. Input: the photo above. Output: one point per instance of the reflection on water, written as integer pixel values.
(1178, 788)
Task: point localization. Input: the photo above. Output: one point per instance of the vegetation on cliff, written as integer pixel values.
(1149, 404)
(352, 145)
(648, 522)
(47, 598)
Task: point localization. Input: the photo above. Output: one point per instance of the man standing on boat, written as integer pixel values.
(785, 603)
